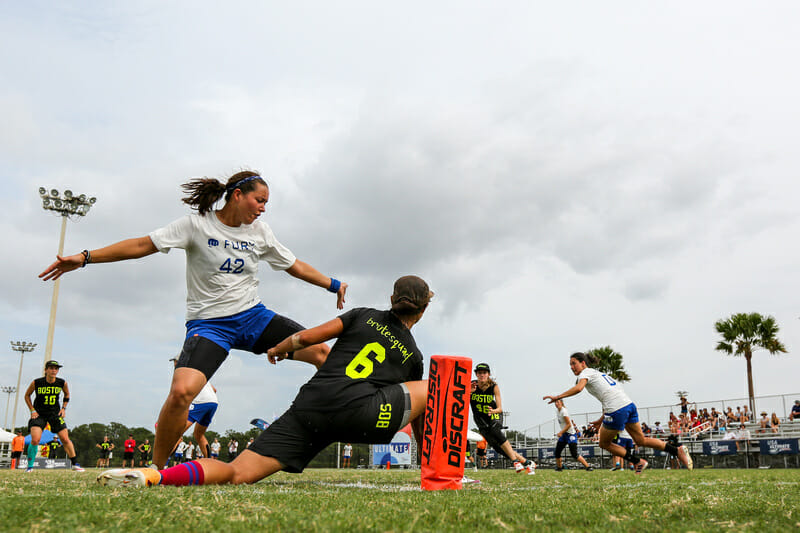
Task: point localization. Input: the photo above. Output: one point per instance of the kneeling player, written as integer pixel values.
(369, 387)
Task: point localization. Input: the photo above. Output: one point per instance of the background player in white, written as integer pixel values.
(215, 446)
(567, 436)
(619, 412)
(623, 439)
(201, 413)
(346, 453)
(223, 248)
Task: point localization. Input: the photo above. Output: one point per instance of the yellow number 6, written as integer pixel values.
(362, 360)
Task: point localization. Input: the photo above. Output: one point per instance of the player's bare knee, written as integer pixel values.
(180, 397)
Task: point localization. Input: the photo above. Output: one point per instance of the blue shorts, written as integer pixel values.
(568, 438)
(240, 331)
(618, 419)
(625, 443)
(202, 413)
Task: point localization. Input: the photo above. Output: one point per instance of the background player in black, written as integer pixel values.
(46, 409)
(486, 407)
(105, 449)
(144, 452)
(368, 388)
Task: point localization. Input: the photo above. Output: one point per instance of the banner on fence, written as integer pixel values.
(779, 446)
(720, 447)
(41, 462)
(397, 452)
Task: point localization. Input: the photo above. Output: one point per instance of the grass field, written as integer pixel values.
(361, 500)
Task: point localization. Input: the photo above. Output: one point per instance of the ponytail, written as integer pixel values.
(203, 193)
(589, 359)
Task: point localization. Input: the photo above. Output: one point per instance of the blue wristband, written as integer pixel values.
(335, 284)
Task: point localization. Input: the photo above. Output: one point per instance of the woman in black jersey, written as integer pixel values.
(369, 387)
(46, 409)
(486, 407)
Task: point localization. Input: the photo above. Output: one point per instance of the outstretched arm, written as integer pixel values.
(308, 337)
(569, 392)
(309, 274)
(120, 251)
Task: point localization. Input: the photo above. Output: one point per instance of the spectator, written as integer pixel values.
(795, 411)
(127, 454)
(738, 414)
(774, 423)
(658, 430)
(722, 423)
(188, 452)
(729, 414)
(646, 429)
(233, 449)
(215, 446)
(674, 424)
(684, 403)
(742, 435)
(17, 447)
(763, 424)
(745, 415)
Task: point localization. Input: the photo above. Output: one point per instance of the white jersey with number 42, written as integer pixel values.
(605, 389)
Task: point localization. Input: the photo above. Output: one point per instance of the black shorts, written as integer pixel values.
(143, 456)
(205, 355)
(104, 454)
(494, 436)
(481, 452)
(278, 329)
(573, 449)
(299, 435)
(127, 456)
(56, 422)
(16, 455)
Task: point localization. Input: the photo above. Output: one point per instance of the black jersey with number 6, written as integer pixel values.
(374, 350)
(46, 401)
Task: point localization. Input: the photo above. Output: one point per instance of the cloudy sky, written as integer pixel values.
(565, 177)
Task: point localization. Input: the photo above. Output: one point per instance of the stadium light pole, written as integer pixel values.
(68, 206)
(8, 390)
(20, 347)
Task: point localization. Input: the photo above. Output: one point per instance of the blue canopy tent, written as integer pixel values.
(47, 436)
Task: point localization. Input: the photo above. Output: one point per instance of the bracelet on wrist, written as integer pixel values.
(87, 258)
(335, 285)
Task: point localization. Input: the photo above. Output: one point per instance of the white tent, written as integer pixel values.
(5, 436)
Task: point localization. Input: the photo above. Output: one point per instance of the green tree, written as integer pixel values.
(610, 362)
(743, 333)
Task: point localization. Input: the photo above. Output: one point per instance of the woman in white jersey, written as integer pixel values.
(619, 413)
(567, 436)
(223, 248)
(201, 413)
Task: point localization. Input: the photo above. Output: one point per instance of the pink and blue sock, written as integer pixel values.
(190, 473)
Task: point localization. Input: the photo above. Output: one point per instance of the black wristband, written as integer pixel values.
(87, 258)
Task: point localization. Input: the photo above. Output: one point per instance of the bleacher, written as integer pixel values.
(765, 448)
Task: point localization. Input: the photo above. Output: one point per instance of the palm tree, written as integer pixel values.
(610, 363)
(744, 332)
